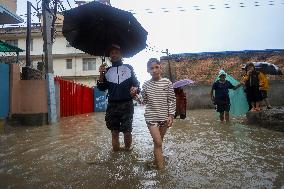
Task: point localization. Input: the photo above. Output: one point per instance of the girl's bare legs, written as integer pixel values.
(158, 140)
(163, 131)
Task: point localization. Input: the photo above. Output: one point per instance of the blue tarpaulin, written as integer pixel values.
(238, 100)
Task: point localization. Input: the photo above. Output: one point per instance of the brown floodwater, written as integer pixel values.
(199, 151)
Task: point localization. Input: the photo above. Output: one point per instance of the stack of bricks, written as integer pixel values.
(204, 67)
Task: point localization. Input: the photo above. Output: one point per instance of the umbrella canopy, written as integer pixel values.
(94, 27)
(182, 83)
(267, 68)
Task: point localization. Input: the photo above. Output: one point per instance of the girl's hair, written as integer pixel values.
(151, 61)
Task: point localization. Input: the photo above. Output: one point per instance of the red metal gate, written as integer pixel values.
(75, 98)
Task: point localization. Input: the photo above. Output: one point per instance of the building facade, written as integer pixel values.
(68, 62)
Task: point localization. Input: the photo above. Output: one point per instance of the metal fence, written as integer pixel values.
(74, 98)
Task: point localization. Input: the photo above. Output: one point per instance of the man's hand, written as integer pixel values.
(237, 86)
(133, 91)
(170, 120)
(102, 68)
(212, 98)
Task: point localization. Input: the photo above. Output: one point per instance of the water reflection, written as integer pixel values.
(200, 153)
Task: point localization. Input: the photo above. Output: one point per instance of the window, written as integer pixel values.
(68, 63)
(89, 64)
(13, 42)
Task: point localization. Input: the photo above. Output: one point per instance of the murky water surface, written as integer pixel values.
(199, 151)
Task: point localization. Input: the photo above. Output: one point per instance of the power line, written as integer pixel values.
(69, 4)
(209, 6)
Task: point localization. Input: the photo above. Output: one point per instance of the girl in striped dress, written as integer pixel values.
(159, 97)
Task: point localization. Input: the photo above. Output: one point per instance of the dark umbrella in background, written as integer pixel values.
(94, 26)
(267, 68)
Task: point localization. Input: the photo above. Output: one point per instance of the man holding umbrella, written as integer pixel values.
(122, 86)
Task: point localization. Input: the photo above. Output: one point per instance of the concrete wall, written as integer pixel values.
(15, 88)
(26, 96)
(198, 97)
(33, 96)
(276, 93)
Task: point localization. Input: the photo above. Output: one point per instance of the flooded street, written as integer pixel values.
(199, 151)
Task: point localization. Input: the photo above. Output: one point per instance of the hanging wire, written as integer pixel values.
(210, 6)
(164, 9)
(69, 4)
(61, 6)
(37, 5)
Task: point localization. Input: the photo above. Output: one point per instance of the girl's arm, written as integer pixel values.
(171, 100)
(171, 104)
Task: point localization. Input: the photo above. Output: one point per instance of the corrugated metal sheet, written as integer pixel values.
(8, 17)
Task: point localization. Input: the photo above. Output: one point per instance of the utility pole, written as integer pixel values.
(47, 48)
(26, 69)
(28, 38)
(169, 64)
(47, 45)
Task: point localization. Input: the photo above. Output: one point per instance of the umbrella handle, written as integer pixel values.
(103, 59)
(103, 62)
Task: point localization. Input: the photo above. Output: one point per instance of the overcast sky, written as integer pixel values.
(186, 26)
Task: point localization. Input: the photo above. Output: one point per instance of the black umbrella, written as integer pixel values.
(267, 68)
(94, 26)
